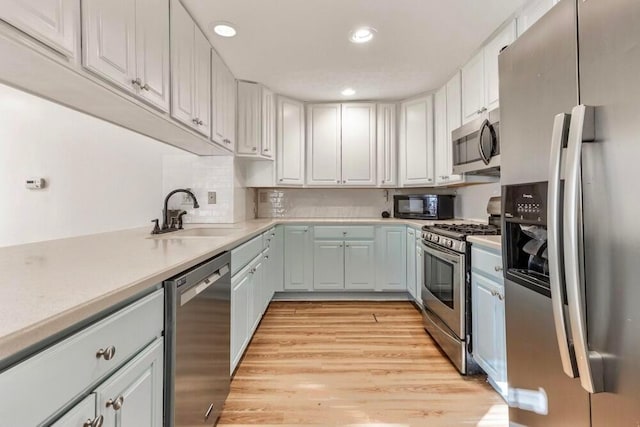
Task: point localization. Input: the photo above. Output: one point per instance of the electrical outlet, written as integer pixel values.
(211, 197)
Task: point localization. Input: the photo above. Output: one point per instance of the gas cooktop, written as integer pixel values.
(454, 236)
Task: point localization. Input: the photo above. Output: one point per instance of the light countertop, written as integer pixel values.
(48, 287)
(494, 242)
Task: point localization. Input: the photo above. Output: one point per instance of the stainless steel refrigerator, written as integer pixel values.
(570, 118)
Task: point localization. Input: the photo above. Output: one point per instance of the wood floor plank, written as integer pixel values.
(353, 364)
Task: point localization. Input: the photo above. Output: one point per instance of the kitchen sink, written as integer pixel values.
(202, 232)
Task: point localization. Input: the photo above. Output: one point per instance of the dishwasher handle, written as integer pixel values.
(193, 291)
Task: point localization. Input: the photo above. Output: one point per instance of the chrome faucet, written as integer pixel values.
(165, 213)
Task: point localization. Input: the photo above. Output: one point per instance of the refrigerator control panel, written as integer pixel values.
(526, 202)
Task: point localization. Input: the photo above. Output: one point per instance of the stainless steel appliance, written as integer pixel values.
(446, 288)
(423, 206)
(476, 145)
(197, 329)
(568, 94)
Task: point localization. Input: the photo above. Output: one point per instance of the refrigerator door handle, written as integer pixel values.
(590, 363)
(556, 272)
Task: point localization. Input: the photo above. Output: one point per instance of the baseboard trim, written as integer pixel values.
(342, 296)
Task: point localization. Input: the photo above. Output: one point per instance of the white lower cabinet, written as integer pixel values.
(133, 396)
(489, 337)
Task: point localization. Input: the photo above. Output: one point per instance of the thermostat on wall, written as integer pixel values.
(34, 183)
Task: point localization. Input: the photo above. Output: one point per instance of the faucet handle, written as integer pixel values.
(172, 224)
(180, 215)
(156, 227)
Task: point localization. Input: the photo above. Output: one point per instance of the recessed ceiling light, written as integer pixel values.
(362, 35)
(348, 92)
(224, 29)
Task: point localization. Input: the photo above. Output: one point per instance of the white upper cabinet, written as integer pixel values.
(203, 82)
(223, 104)
(454, 121)
(491, 51)
(323, 144)
(533, 11)
(268, 123)
(416, 142)
(480, 82)
(53, 22)
(109, 42)
(441, 140)
(290, 139)
(359, 144)
(473, 92)
(256, 121)
(190, 71)
(127, 43)
(249, 118)
(152, 51)
(387, 145)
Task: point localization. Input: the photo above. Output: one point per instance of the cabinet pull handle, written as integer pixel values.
(498, 268)
(96, 422)
(106, 353)
(116, 404)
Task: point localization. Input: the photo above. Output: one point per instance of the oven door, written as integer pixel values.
(443, 286)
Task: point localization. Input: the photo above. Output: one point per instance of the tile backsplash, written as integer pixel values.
(330, 203)
(204, 174)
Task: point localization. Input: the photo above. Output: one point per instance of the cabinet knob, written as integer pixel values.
(266, 257)
(498, 268)
(281, 179)
(136, 82)
(195, 121)
(146, 87)
(344, 182)
(96, 422)
(116, 404)
(254, 149)
(266, 149)
(429, 179)
(338, 181)
(106, 353)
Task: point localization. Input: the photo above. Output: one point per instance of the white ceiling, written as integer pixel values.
(300, 48)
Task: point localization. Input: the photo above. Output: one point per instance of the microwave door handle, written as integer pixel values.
(485, 126)
(556, 272)
(590, 363)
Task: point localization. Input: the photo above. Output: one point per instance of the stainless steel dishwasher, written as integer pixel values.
(198, 314)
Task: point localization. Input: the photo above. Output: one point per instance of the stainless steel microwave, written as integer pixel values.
(476, 145)
(423, 206)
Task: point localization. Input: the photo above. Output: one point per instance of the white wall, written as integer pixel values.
(471, 201)
(101, 177)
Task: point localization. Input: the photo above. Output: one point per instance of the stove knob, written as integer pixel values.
(435, 239)
(450, 243)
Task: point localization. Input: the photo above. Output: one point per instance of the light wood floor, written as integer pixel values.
(353, 364)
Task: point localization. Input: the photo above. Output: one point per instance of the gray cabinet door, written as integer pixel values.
(391, 258)
(240, 295)
(411, 262)
(83, 412)
(359, 265)
(328, 264)
(132, 397)
(298, 258)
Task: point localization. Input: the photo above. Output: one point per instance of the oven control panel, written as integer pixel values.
(453, 244)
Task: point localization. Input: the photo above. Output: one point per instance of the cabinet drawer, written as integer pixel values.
(267, 237)
(58, 374)
(244, 253)
(79, 414)
(344, 232)
(487, 261)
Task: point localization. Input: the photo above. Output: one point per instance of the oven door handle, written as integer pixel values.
(556, 270)
(438, 253)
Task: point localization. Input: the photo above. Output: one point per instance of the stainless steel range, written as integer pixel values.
(446, 288)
